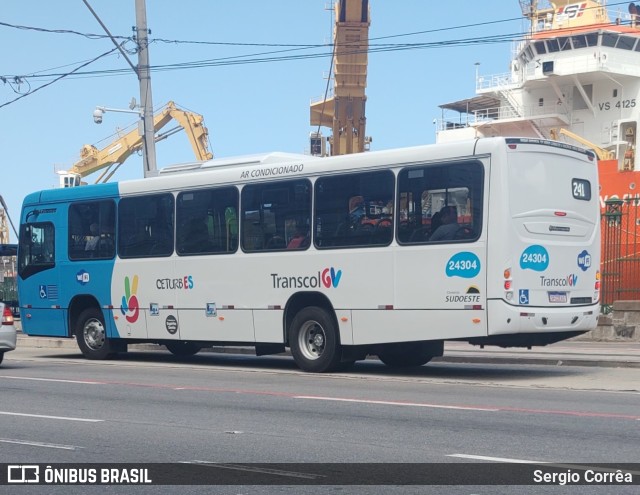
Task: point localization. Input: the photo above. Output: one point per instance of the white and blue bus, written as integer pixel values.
(492, 241)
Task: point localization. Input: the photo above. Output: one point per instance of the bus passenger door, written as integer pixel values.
(146, 266)
(41, 292)
(441, 261)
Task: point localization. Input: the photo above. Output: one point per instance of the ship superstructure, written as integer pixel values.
(575, 76)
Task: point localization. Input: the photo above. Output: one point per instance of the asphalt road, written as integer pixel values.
(57, 407)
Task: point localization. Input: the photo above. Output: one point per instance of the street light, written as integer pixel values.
(99, 112)
(148, 150)
(133, 108)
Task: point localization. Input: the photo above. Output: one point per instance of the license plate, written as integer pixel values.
(557, 297)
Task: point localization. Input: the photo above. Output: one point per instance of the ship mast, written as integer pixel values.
(538, 15)
(545, 15)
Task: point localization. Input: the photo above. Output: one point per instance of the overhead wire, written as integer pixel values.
(260, 57)
(57, 79)
(61, 31)
(265, 57)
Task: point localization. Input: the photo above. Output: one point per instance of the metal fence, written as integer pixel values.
(620, 269)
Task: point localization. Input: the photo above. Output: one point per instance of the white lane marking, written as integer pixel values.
(396, 403)
(496, 459)
(251, 469)
(42, 416)
(86, 382)
(41, 444)
(546, 463)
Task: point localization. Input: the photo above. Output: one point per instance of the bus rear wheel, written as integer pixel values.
(182, 348)
(314, 340)
(407, 354)
(92, 336)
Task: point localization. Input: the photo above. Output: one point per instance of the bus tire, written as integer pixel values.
(91, 335)
(314, 340)
(182, 348)
(406, 355)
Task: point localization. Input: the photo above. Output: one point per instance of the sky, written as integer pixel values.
(252, 105)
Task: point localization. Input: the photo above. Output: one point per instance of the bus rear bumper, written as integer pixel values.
(505, 319)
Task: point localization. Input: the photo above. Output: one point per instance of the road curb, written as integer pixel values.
(461, 357)
(556, 361)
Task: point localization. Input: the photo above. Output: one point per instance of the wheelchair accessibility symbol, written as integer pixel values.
(43, 292)
(523, 297)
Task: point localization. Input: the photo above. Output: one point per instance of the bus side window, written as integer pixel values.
(37, 248)
(440, 203)
(206, 221)
(145, 226)
(274, 213)
(354, 210)
(91, 230)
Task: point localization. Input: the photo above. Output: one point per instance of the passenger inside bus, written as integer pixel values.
(300, 239)
(93, 238)
(449, 227)
(197, 237)
(436, 221)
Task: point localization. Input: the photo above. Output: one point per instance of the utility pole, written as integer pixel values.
(146, 100)
(144, 77)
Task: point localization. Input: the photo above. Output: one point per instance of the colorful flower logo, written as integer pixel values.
(130, 308)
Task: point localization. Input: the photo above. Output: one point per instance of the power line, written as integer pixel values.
(61, 31)
(57, 79)
(244, 58)
(267, 57)
(222, 43)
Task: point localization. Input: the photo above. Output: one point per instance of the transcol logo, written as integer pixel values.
(328, 278)
(568, 281)
(130, 307)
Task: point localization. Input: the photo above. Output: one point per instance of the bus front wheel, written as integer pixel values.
(92, 336)
(314, 340)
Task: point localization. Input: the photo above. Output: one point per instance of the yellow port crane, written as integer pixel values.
(602, 153)
(115, 153)
(344, 112)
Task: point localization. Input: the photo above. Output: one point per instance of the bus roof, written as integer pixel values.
(245, 160)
